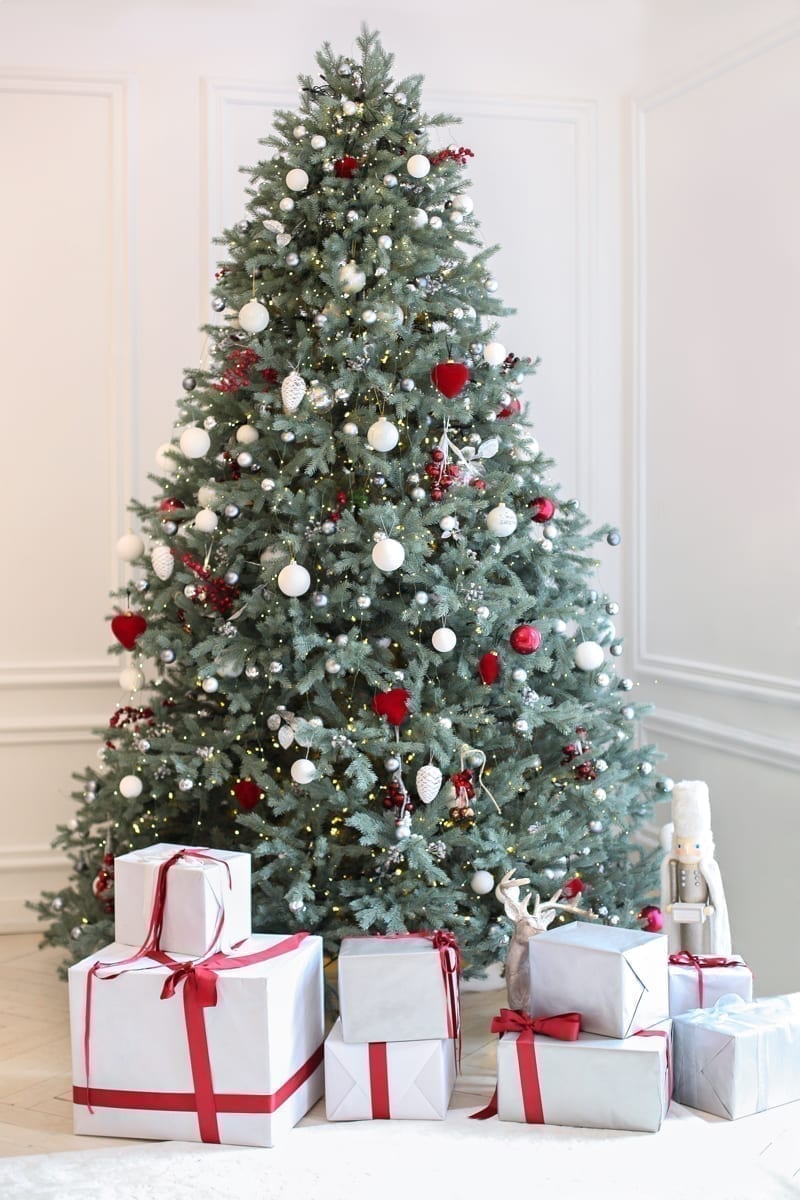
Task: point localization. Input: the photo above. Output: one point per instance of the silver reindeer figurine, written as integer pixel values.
(526, 925)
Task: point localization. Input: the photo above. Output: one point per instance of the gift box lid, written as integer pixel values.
(362, 947)
(163, 850)
(606, 939)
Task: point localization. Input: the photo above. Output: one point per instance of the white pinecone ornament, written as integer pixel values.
(293, 389)
(429, 783)
(162, 560)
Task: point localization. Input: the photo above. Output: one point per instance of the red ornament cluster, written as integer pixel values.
(336, 513)
(459, 156)
(396, 797)
(232, 468)
(463, 782)
(653, 918)
(127, 715)
(511, 408)
(213, 590)
(441, 473)
(586, 771)
(237, 373)
(103, 883)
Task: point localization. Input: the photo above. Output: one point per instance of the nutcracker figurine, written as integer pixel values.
(692, 895)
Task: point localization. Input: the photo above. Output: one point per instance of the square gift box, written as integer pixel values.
(593, 1082)
(736, 1058)
(615, 978)
(200, 887)
(700, 980)
(193, 1051)
(401, 988)
(380, 1080)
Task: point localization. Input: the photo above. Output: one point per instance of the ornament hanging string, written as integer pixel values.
(465, 750)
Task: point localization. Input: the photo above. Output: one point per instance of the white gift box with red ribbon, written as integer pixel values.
(700, 980)
(399, 988)
(366, 1081)
(207, 902)
(228, 1049)
(616, 978)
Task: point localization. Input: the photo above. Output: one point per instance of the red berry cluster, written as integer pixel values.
(213, 590)
(232, 468)
(336, 513)
(441, 473)
(585, 771)
(397, 797)
(103, 883)
(237, 373)
(463, 782)
(458, 156)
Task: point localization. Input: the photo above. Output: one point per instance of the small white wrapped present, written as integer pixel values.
(205, 898)
(700, 980)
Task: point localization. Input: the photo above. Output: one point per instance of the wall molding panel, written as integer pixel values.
(767, 751)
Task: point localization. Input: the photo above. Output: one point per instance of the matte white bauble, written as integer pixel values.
(131, 679)
(207, 496)
(429, 783)
(444, 640)
(206, 520)
(447, 525)
(388, 554)
(163, 457)
(464, 204)
(296, 180)
(286, 204)
(482, 883)
(130, 786)
(210, 685)
(494, 353)
(418, 217)
(303, 770)
(246, 435)
(418, 166)
(350, 429)
(294, 579)
(351, 277)
(588, 656)
(501, 520)
(253, 316)
(129, 547)
(318, 142)
(349, 108)
(194, 442)
(383, 435)
(299, 131)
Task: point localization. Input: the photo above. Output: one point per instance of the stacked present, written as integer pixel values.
(393, 1052)
(595, 1048)
(187, 1027)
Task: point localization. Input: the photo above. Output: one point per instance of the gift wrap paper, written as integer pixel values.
(685, 989)
(399, 1080)
(594, 1082)
(615, 978)
(736, 1058)
(264, 1033)
(392, 990)
(196, 891)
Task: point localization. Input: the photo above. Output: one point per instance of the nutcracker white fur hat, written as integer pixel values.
(691, 809)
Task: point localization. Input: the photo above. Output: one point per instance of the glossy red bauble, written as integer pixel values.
(393, 705)
(450, 378)
(512, 408)
(653, 917)
(489, 667)
(247, 793)
(170, 504)
(525, 639)
(127, 627)
(542, 509)
(345, 167)
(574, 887)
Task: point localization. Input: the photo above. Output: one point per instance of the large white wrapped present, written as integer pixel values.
(615, 978)
(366, 1081)
(225, 1050)
(700, 980)
(595, 1082)
(737, 1058)
(205, 894)
(399, 988)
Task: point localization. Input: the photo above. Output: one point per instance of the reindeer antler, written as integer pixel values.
(516, 907)
(553, 904)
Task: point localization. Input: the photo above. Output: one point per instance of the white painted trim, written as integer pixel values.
(768, 751)
(24, 675)
(774, 689)
(51, 730)
(33, 856)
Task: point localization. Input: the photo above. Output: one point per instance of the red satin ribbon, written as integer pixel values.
(662, 1033)
(565, 1027)
(702, 962)
(152, 940)
(379, 1081)
(199, 979)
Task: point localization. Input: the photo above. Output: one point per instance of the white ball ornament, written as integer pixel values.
(194, 442)
(429, 783)
(131, 679)
(210, 685)
(349, 108)
(207, 496)
(588, 656)
(418, 166)
(501, 521)
(383, 435)
(418, 218)
(303, 771)
(294, 579)
(206, 520)
(447, 525)
(253, 316)
(350, 429)
(246, 435)
(351, 277)
(318, 142)
(463, 204)
(444, 640)
(296, 179)
(286, 204)
(130, 547)
(494, 353)
(388, 555)
(299, 131)
(163, 458)
(482, 883)
(130, 786)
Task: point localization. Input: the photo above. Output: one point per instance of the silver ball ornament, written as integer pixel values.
(615, 648)
(252, 671)
(185, 785)
(521, 725)
(645, 768)
(231, 510)
(319, 599)
(267, 484)
(275, 667)
(392, 763)
(625, 685)
(407, 385)
(599, 794)
(595, 826)
(295, 906)
(75, 932)
(519, 674)
(167, 656)
(332, 666)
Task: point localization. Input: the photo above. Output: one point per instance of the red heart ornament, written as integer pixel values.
(525, 639)
(127, 627)
(247, 793)
(393, 705)
(489, 667)
(450, 378)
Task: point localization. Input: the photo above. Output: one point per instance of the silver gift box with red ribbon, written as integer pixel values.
(227, 1049)
(700, 980)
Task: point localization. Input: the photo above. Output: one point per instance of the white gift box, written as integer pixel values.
(736, 1058)
(701, 986)
(615, 978)
(410, 1081)
(395, 989)
(261, 1042)
(594, 1082)
(198, 890)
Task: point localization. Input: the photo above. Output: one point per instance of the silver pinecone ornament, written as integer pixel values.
(162, 560)
(429, 782)
(293, 389)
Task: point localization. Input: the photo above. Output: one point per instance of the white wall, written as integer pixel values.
(125, 122)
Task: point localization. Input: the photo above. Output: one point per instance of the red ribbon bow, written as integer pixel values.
(565, 1027)
(702, 962)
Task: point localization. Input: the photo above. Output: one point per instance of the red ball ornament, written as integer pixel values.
(247, 793)
(450, 378)
(489, 667)
(345, 167)
(574, 887)
(512, 408)
(393, 705)
(525, 639)
(170, 504)
(542, 509)
(127, 627)
(653, 917)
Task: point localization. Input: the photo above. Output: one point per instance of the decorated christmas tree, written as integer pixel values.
(364, 641)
